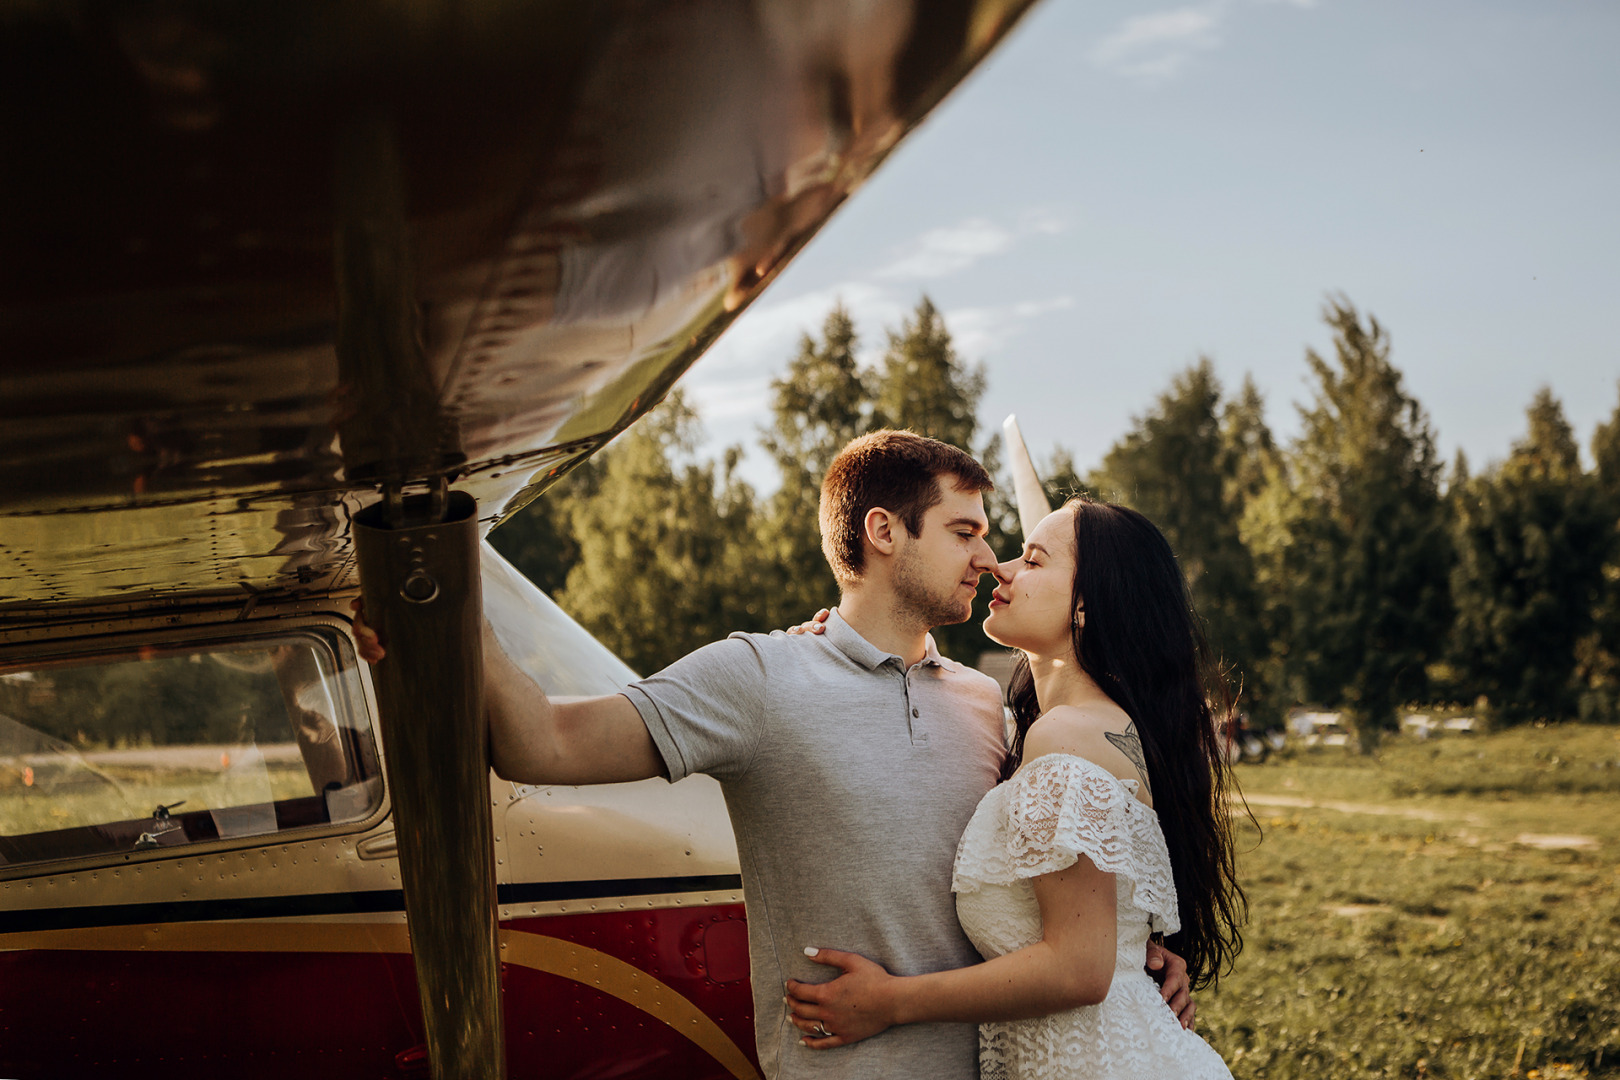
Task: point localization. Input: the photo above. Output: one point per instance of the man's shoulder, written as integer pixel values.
(974, 689)
(779, 649)
(972, 680)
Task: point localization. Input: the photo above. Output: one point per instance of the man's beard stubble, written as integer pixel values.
(928, 608)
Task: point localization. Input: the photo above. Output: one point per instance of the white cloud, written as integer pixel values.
(725, 400)
(1043, 221)
(1157, 46)
(978, 332)
(767, 334)
(730, 385)
(949, 250)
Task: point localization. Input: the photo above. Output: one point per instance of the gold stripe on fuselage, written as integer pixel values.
(554, 956)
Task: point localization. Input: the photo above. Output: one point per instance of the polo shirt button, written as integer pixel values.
(915, 712)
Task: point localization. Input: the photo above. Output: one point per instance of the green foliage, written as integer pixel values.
(667, 558)
(539, 540)
(1324, 570)
(1191, 466)
(1598, 653)
(1530, 537)
(1247, 447)
(818, 405)
(923, 386)
(1349, 540)
(1412, 933)
(158, 701)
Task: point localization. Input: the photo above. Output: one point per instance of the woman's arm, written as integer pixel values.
(1072, 965)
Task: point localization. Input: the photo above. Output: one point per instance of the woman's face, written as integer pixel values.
(1031, 606)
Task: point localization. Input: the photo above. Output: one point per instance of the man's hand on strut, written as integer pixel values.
(1170, 972)
(365, 638)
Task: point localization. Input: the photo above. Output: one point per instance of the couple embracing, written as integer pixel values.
(886, 832)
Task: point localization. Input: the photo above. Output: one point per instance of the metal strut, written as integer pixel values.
(420, 580)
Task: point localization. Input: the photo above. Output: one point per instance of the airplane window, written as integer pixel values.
(165, 746)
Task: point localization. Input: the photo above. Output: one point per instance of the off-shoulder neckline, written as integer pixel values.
(1132, 787)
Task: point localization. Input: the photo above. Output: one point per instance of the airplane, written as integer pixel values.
(298, 301)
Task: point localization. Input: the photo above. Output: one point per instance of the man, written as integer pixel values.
(851, 761)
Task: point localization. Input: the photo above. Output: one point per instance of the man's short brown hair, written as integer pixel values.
(898, 471)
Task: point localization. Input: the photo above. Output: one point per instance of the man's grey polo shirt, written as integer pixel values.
(849, 780)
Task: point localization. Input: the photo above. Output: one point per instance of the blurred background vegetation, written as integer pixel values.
(1348, 569)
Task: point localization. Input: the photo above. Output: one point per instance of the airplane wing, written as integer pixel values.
(261, 261)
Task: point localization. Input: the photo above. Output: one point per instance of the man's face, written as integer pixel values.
(936, 572)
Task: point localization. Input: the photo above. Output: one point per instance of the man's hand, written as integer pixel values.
(365, 638)
(1170, 972)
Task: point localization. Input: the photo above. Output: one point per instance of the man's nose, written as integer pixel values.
(984, 559)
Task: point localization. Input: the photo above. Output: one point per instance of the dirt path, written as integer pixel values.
(1299, 802)
(1413, 813)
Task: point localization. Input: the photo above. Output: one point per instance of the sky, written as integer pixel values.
(1123, 188)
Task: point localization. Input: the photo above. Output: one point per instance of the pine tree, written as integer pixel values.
(1248, 448)
(1349, 538)
(1187, 465)
(539, 540)
(817, 406)
(1530, 537)
(923, 386)
(668, 557)
(1598, 653)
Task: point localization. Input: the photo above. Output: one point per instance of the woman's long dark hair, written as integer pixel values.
(1143, 644)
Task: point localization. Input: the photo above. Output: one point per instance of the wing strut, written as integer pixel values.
(418, 557)
(421, 584)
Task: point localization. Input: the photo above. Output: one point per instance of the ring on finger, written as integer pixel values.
(820, 1031)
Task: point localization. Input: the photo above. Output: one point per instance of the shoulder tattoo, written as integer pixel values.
(1130, 744)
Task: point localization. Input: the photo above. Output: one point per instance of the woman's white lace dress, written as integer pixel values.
(1055, 809)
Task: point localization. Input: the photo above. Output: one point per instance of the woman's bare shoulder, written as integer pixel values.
(1103, 735)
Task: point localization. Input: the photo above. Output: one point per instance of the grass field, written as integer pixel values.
(126, 793)
(1448, 908)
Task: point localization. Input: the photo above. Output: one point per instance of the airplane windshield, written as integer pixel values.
(156, 747)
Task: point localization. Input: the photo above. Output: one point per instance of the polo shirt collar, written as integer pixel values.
(847, 640)
(931, 655)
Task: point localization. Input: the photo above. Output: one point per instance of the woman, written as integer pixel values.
(1113, 808)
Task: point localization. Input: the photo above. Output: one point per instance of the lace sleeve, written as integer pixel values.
(1061, 807)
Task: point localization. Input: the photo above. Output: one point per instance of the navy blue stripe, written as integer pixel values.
(350, 903)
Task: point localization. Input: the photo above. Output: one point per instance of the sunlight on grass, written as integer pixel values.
(120, 793)
(1446, 909)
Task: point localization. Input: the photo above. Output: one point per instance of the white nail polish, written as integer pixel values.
(811, 950)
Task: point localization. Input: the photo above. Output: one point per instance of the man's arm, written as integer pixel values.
(533, 740)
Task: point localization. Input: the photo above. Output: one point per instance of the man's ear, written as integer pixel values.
(881, 529)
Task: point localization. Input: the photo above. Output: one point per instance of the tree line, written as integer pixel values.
(1347, 568)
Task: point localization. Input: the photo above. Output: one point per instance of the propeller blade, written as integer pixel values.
(1027, 489)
